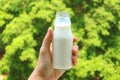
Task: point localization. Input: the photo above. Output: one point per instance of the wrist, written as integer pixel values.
(36, 76)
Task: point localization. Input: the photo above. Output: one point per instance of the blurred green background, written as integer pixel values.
(96, 24)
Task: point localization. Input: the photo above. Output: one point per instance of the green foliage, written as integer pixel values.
(96, 24)
(98, 33)
(23, 25)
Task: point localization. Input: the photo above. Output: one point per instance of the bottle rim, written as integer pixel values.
(62, 14)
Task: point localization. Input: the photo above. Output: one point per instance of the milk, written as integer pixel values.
(62, 42)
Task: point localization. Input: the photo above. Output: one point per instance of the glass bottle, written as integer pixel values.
(62, 41)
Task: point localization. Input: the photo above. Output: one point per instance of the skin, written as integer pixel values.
(44, 69)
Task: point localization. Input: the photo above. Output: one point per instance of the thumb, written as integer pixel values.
(48, 39)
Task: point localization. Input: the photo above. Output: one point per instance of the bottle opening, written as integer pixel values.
(62, 14)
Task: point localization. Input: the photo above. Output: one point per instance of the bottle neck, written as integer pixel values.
(62, 21)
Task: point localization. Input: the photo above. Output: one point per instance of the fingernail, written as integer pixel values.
(76, 47)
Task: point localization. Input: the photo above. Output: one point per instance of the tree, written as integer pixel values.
(96, 24)
(23, 26)
(97, 29)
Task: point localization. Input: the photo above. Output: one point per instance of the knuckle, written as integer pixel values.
(42, 51)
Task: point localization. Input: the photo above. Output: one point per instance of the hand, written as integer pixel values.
(44, 69)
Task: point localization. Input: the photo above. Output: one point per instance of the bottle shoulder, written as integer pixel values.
(67, 35)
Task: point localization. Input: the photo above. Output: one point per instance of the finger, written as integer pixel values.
(75, 50)
(48, 39)
(74, 39)
(74, 63)
(74, 55)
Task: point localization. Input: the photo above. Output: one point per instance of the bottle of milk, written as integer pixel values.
(62, 41)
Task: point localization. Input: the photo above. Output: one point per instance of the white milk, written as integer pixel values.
(62, 42)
